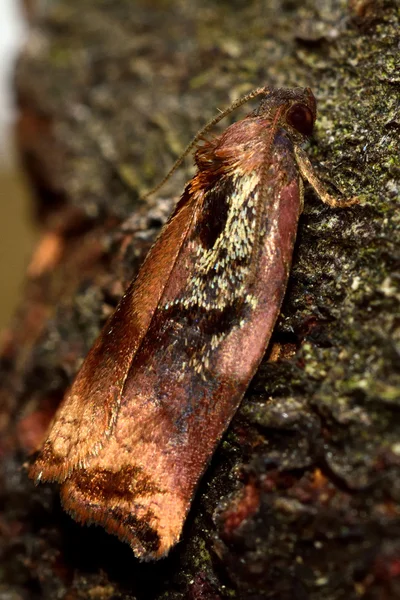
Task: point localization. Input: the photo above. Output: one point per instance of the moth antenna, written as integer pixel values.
(206, 129)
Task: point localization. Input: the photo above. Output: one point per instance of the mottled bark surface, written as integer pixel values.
(301, 499)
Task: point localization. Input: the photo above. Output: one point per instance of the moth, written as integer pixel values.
(156, 392)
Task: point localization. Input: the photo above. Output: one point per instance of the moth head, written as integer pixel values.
(300, 118)
(301, 112)
(297, 108)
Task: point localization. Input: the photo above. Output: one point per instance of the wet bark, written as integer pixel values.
(301, 499)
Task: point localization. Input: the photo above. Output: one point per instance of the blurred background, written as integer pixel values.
(17, 231)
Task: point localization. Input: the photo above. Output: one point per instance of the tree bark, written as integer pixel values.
(301, 499)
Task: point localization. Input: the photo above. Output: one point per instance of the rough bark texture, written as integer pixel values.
(301, 499)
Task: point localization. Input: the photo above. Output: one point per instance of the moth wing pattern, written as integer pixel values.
(87, 415)
(197, 345)
(170, 368)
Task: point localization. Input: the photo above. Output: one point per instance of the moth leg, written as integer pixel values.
(307, 172)
(301, 182)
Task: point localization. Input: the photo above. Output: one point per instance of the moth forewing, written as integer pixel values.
(160, 386)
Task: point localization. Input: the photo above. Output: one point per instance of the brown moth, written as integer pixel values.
(158, 389)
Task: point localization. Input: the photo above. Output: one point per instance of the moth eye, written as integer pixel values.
(301, 118)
